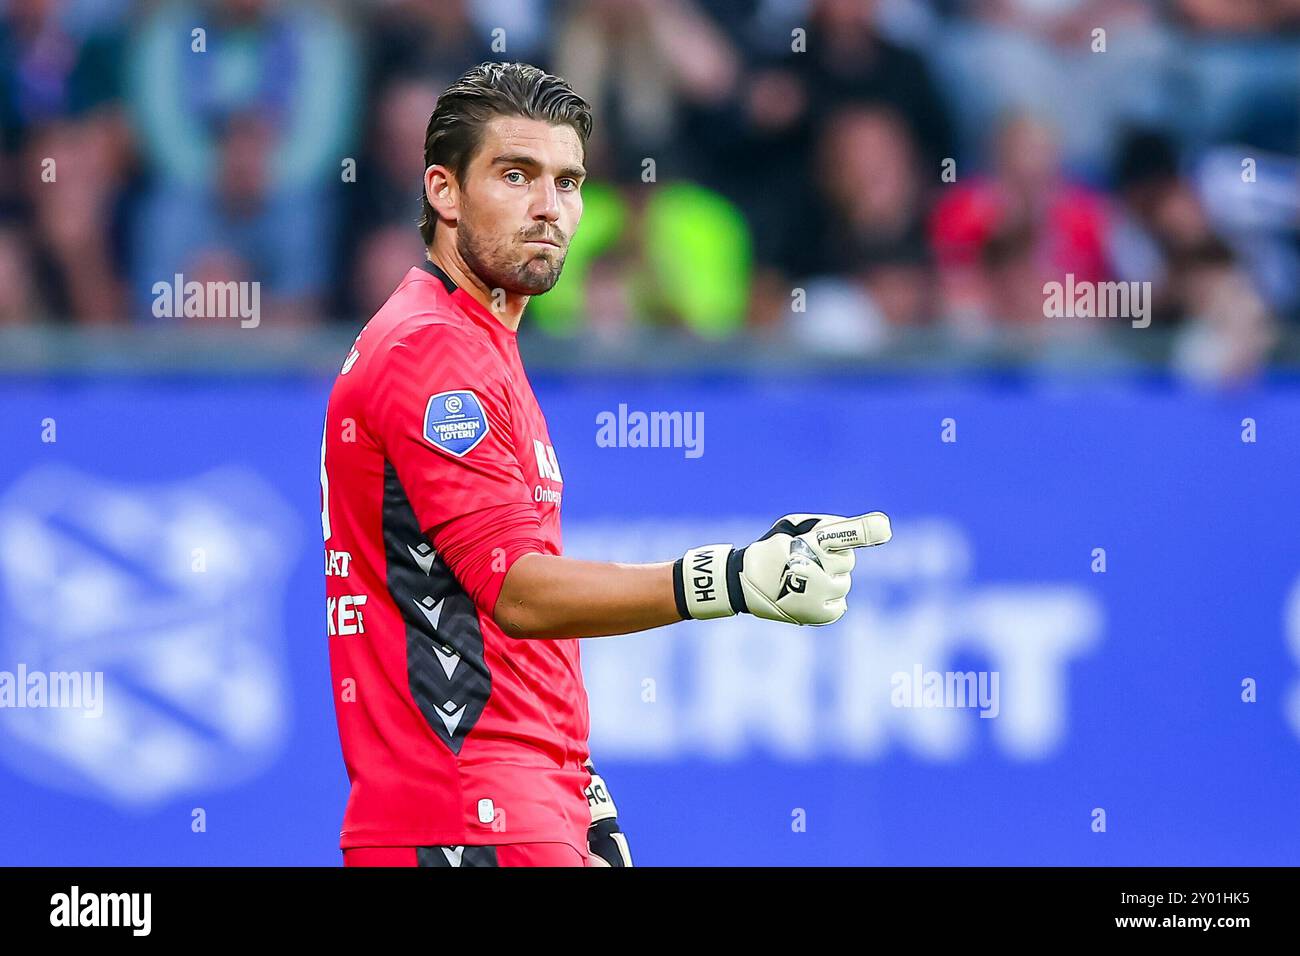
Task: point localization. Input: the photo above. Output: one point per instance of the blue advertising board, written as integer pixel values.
(1082, 645)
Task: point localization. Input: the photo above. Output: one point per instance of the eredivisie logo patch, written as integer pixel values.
(454, 422)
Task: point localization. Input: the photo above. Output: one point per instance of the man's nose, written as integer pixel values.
(546, 201)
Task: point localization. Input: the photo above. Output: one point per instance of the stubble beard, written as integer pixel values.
(501, 264)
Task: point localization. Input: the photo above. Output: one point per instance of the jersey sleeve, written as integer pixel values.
(440, 410)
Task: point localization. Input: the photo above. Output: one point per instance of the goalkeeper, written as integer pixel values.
(453, 617)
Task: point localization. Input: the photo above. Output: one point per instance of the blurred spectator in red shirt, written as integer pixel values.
(1055, 227)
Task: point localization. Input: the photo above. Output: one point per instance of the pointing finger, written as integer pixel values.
(864, 531)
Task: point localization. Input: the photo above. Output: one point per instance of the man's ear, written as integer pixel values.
(442, 192)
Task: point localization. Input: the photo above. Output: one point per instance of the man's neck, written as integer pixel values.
(507, 307)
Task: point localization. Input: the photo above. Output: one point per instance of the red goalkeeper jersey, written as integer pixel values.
(437, 473)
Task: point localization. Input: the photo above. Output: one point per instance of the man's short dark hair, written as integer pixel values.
(484, 92)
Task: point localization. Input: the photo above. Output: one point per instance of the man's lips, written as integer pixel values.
(544, 242)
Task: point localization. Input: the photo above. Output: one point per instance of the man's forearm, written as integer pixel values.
(546, 596)
(798, 572)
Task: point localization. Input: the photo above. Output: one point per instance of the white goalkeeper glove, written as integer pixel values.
(605, 840)
(799, 572)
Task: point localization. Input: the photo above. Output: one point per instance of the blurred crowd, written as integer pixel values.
(828, 173)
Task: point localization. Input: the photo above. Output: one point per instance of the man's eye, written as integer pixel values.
(515, 172)
(569, 183)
